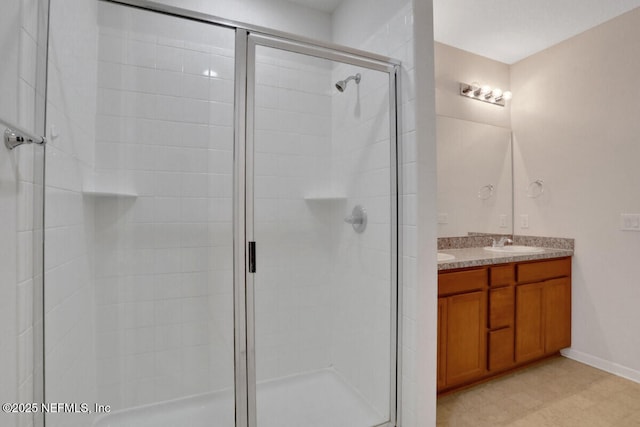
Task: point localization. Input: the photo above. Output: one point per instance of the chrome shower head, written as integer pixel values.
(342, 84)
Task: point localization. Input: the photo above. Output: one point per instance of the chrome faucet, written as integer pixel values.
(500, 243)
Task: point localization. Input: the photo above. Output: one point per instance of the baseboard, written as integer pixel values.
(605, 365)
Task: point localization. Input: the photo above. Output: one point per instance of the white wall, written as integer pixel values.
(454, 66)
(585, 148)
(422, 395)
(355, 21)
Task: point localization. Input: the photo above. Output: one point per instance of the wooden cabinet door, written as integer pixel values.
(442, 343)
(500, 349)
(466, 318)
(529, 322)
(557, 314)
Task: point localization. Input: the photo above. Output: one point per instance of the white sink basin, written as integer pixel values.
(445, 257)
(515, 249)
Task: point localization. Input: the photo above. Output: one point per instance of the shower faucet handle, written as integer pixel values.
(353, 219)
(357, 219)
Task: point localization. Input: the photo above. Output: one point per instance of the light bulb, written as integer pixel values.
(475, 87)
(485, 89)
(507, 95)
(467, 89)
(497, 95)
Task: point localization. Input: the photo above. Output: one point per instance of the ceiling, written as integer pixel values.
(510, 30)
(323, 5)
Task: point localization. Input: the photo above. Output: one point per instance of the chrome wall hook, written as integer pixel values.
(485, 192)
(535, 189)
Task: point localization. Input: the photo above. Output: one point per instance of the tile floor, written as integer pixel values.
(558, 392)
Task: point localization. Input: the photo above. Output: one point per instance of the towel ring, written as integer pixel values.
(535, 189)
(485, 192)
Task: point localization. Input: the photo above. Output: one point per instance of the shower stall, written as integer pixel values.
(221, 245)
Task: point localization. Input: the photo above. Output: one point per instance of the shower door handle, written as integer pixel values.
(252, 257)
(15, 137)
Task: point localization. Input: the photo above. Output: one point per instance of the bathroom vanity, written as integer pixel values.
(498, 312)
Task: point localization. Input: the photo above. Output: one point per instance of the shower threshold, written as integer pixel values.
(316, 399)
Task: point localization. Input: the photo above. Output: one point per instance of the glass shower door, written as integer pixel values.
(321, 208)
(139, 274)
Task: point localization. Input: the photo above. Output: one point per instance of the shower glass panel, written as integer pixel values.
(152, 320)
(324, 288)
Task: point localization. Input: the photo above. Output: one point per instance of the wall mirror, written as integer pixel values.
(475, 178)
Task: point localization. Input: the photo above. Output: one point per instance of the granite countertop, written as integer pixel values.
(473, 257)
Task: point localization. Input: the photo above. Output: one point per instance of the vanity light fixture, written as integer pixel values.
(485, 93)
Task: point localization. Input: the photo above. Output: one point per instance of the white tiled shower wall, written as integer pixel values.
(392, 34)
(354, 298)
(294, 292)
(362, 273)
(163, 271)
(69, 313)
(69, 287)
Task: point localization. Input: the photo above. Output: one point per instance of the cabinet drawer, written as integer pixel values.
(502, 275)
(538, 271)
(500, 349)
(501, 307)
(462, 281)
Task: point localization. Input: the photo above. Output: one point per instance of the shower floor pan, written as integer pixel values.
(317, 399)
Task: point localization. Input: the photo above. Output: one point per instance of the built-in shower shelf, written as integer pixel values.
(94, 193)
(325, 198)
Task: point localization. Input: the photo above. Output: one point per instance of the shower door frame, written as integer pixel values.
(247, 37)
(335, 54)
